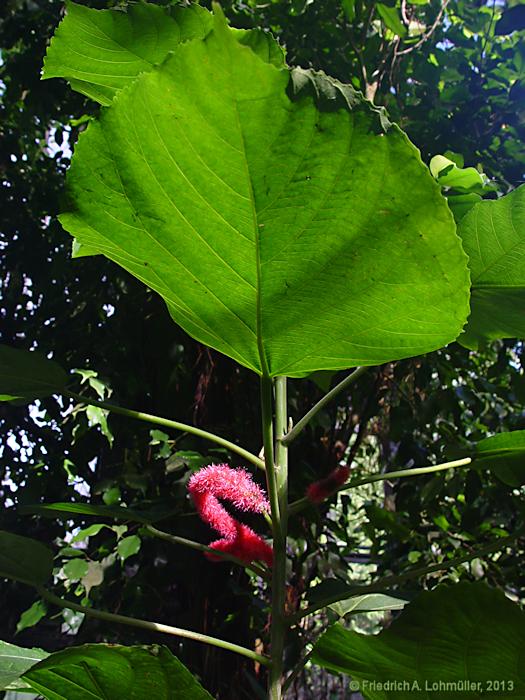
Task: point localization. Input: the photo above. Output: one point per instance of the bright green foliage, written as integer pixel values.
(504, 454)
(24, 559)
(14, 662)
(450, 175)
(32, 615)
(464, 187)
(100, 52)
(100, 671)
(463, 632)
(28, 375)
(128, 546)
(75, 569)
(290, 233)
(391, 18)
(493, 234)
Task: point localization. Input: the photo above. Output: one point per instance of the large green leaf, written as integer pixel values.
(101, 672)
(493, 234)
(102, 51)
(467, 632)
(26, 375)
(24, 559)
(503, 454)
(14, 662)
(278, 220)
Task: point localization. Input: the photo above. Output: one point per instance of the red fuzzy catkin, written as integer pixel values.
(322, 489)
(235, 485)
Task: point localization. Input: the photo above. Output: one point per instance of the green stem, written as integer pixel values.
(389, 581)
(281, 450)
(175, 539)
(153, 626)
(157, 420)
(303, 422)
(276, 479)
(300, 504)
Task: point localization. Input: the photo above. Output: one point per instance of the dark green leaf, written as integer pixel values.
(349, 9)
(32, 615)
(250, 210)
(391, 18)
(28, 375)
(503, 454)
(460, 204)
(103, 672)
(128, 546)
(466, 632)
(23, 559)
(90, 531)
(75, 569)
(114, 512)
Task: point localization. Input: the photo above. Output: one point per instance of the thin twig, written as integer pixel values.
(298, 505)
(338, 388)
(167, 423)
(152, 626)
(297, 670)
(426, 35)
(175, 539)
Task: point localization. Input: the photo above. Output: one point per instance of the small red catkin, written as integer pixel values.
(320, 490)
(237, 486)
(247, 545)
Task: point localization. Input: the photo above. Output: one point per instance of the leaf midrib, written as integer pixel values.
(258, 315)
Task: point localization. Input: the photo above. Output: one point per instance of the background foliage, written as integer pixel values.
(454, 85)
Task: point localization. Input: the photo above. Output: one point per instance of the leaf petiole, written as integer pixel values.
(167, 423)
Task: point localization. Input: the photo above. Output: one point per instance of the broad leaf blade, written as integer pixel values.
(100, 671)
(254, 211)
(503, 454)
(466, 632)
(102, 51)
(14, 662)
(23, 559)
(26, 375)
(493, 234)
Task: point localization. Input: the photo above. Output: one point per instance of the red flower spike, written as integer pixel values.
(322, 489)
(235, 485)
(247, 546)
